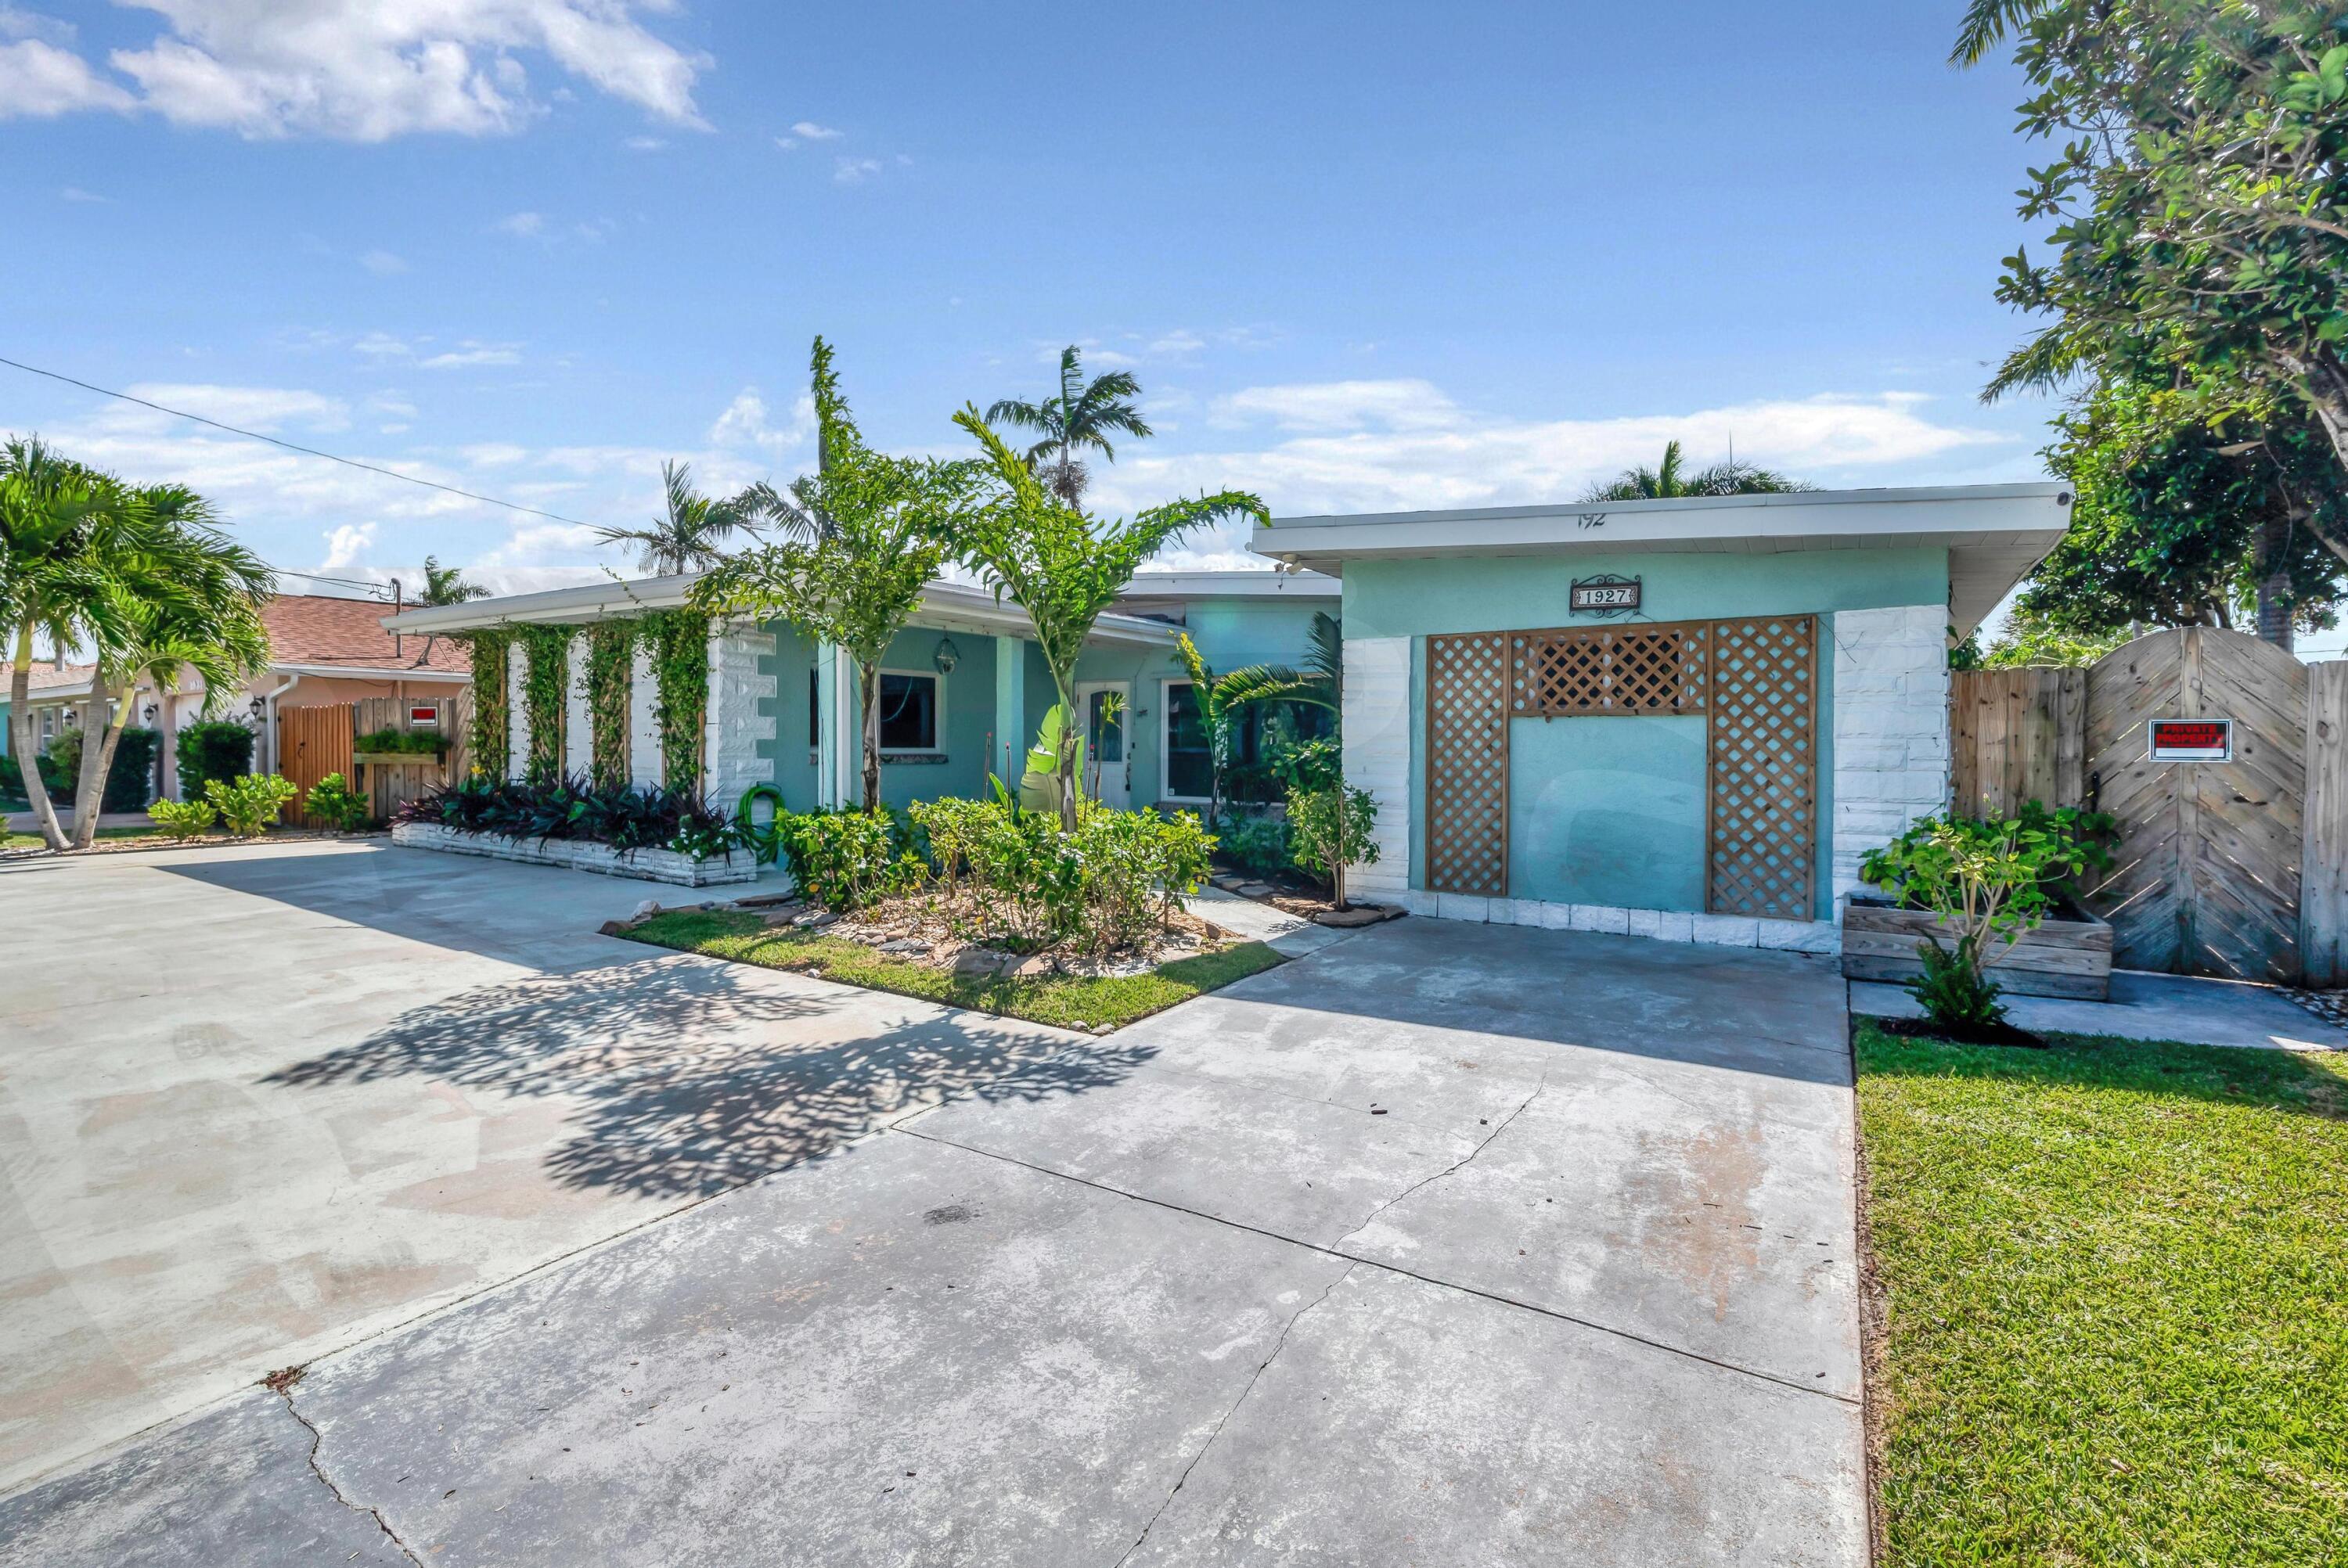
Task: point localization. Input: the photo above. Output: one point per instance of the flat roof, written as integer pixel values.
(1995, 533)
(950, 606)
(1255, 582)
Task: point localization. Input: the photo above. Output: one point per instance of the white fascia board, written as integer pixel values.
(370, 672)
(1259, 584)
(945, 605)
(1951, 517)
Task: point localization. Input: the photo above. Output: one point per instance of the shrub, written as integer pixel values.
(130, 778)
(12, 779)
(846, 859)
(1986, 879)
(214, 750)
(341, 807)
(183, 819)
(1331, 830)
(250, 803)
(1258, 844)
(573, 808)
(404, 743)
(1037, 884)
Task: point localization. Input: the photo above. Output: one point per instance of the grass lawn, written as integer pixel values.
(1062, 1000)
(33, 840)
(2117, 1278)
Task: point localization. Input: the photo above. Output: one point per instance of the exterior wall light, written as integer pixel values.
(946, 656)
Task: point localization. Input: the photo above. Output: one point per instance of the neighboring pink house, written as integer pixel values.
(321, 652)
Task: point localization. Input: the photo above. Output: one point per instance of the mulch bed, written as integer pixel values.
(1925, 1028)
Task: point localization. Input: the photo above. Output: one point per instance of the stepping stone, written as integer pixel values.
(905, 945)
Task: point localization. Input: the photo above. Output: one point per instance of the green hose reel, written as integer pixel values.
(766, 840)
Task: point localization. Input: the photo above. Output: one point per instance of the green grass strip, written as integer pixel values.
(1057, 1000)
(2119, 1301)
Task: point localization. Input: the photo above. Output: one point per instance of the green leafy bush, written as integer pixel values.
(213, 749)
(1259, 843)
(183, 819)
(249, 805)
(401, 743)
(129, 779)
(845, 860)
(12, 779)
(341, 807)
(1099, 885)
(627, 819)
(1986, 879)
(1331, 830)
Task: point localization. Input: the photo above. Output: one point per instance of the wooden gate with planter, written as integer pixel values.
(2227, 867)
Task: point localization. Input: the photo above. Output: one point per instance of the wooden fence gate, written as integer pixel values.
(2230, 869)
(311, 744)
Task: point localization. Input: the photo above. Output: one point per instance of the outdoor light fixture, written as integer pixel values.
(258, 705)
(152, 710)
(946, 656)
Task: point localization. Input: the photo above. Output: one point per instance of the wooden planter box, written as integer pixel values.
(398, 759)
(646, 864)
(2063, 957)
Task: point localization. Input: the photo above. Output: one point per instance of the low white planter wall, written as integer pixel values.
(645, 865)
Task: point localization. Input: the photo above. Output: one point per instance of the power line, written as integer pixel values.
(290, 446)
(380, 590)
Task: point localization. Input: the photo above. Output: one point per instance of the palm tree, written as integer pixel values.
(691, 536)
(62, 525)
(188, 598)
(1668, 480)
(446, 585)
(1080, 419)
(1221, 701)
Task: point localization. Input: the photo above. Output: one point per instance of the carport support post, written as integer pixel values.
(837, 750)
(1010, 710)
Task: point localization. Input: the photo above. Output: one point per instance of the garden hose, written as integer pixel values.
(767, 842)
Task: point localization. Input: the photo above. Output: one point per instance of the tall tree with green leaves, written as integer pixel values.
(1672, 477)
(61, 524)
(1080, 419)
(867, 533)
(694, 531)
(2199, 195)
(2178, 524)
(1063, 568)
(187, 597)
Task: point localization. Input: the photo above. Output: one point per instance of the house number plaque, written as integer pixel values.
(1605, 596)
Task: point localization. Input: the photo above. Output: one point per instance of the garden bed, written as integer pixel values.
(2066, 957)
(2106, 1289)
(664, 865)
(1068, 989)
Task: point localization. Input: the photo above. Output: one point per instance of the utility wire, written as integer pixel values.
(290, 446)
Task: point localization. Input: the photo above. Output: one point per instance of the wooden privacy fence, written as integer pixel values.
(315, 742)
(2227, 867)
(311, 744)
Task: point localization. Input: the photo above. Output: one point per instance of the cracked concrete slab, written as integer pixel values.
(233, 1486)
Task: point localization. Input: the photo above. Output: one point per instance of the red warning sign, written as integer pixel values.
(2192, 740)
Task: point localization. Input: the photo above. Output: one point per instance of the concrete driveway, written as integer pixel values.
(1446, 1244)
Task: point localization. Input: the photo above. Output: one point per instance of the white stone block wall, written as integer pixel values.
(577, 734)
(1658, 924)
(1378, 757)
(1890, 729)
(644, 726)
(517, 716)
(730, 752)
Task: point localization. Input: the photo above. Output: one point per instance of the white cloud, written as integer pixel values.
(808, 130)
(267, 409)
(382, 345)
(382, 264)
(469, 352)
(363, 71)
(493, 454)
(1178, 344)
(345, 544)
(15, 22)
(744, 424)
(848, 171)
(1329, 405)
(644, 143)
(76, 193)
(522, 225)
(39, 80)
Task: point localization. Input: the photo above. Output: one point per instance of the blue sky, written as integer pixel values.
(1360, 256)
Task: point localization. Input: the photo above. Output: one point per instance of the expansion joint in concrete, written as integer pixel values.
(1277, 1346)
(286, 1393)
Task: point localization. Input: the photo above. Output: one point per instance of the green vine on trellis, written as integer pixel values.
(492, 730)
(545, 691)
(679, 644)
(611, 661)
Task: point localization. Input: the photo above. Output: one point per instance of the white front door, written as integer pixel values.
(1108, 710)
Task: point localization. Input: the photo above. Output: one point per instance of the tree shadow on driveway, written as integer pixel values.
(688, 1078)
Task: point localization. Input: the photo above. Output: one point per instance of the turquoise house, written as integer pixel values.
(963, 687)
(1684, 718)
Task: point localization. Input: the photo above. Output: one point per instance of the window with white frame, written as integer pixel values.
(909, 703)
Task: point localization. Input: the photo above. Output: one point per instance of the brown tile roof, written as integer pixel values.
(47, 675)
(312, 629)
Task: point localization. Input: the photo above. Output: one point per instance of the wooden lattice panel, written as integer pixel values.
(1762, 767)
(1587, 669)
(1467, 763)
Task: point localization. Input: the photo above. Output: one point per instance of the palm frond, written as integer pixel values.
(1985, 26)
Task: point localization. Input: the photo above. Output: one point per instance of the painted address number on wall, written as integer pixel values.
(2192, 740)
(1605, 593)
